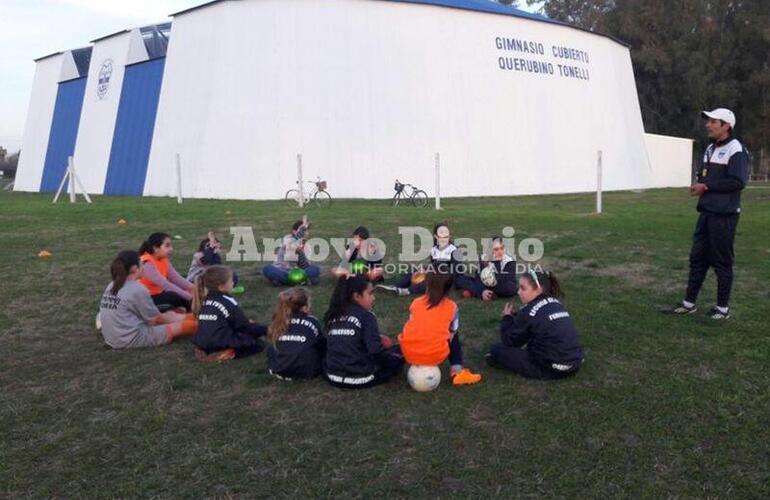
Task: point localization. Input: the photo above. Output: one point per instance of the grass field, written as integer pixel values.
(664, 408)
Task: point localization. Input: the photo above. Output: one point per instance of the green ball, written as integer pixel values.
(297, 276)
(359, 266)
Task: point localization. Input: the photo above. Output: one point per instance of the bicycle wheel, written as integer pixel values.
(396, 198)
(419, 198)
(322, 199)
(292, 197)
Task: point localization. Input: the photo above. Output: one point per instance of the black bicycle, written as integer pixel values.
(415, 195)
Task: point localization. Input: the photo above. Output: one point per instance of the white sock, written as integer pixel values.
(688, 305)
(456, 368)
(723, 310)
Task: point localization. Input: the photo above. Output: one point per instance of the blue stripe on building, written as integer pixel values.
(134, 126)
(64, 132)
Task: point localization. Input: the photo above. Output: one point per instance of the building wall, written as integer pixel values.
(369, 91)
(100, 109)
(38, 124)
(670, 160)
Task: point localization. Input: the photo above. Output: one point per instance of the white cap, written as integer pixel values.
(723, 114)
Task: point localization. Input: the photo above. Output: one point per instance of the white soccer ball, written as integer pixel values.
(489, 276)
(423, 378)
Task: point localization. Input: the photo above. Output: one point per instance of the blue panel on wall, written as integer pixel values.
(64, 132)
(134, 126)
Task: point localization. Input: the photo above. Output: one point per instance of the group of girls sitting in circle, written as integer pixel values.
(148, 303)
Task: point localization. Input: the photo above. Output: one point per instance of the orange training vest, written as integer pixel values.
(425, 337)
(161, 265)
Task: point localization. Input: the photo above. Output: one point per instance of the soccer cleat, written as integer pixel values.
(214, 357)
(467, 294)
(238, 290)
(718, 315)
(465, 377)
(682, 309)
(403, 292)
(98, 321)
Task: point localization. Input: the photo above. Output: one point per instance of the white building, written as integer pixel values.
(366, 90)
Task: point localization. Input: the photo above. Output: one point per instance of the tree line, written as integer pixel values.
(688, 55)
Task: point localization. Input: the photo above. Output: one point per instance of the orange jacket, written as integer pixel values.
(425, 337)
(161, 265)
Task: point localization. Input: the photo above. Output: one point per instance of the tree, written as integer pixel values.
(689, 55)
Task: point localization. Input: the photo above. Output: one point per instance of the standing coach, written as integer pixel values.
(720, 180)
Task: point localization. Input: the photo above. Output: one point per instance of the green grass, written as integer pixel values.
(665, 407)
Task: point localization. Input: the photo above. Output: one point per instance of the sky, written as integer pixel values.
(34, 28)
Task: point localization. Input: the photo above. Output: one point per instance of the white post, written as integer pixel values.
(178, 178)
(74, 175)
(72, 179)
(301, 198)
(438, 181)
(61, 185)
(599, 182)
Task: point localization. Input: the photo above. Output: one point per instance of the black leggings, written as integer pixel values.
(390, 367)
(519, 361)
(171, 299)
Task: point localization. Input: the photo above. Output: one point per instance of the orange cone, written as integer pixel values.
(44, 253)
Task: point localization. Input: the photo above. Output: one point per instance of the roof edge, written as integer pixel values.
(496, 9)
(100, 39)
(196, 7)
(48, 56)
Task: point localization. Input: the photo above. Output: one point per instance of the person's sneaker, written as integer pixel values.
(715, 314)
(682, 309)
(467, 294)
(98, 321)
(214, 357)
(401, 292)
(465, 377)
(238, 290)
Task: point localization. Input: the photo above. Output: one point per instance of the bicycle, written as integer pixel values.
(417, 196)
(320, 195)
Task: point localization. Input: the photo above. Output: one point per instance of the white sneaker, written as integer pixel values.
(98, 321)
(403, 292)
(682, 309)
(387, 288)
(715, 314)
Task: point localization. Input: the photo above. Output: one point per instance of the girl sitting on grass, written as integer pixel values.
(357, 356)
(502, 266)
(129, 318)
(165, 285)
(430, 335)
(209, 254)
(444, 255)
(540, 341)
(224, 332)
(296, 344)
(361, 257)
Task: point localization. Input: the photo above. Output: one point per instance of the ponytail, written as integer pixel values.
(554, 286)
(121, 267)
(211, 279)
(545, 280)
(154, 241)
(342, 296)
(198, 294)
(290, 302)
(438, 285)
